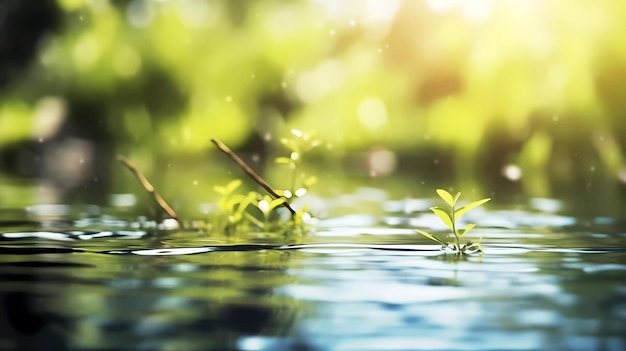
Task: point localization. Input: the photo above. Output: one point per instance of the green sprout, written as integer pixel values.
(449, 216)
(255, 211)
(251, 211)
(299, 144)
(233, 206)
(266, 205)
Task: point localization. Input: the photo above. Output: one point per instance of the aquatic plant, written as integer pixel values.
(449, 216)
(239, 210)
(299, 144)
(231, 206)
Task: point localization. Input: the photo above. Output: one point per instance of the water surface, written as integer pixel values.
(80, 278)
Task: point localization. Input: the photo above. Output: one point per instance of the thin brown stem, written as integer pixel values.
(150, 189)
(225, 149)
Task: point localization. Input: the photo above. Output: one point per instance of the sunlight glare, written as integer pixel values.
(372, 113)
(441, 5)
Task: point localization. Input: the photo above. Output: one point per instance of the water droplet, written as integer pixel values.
(592, 168)
(195, 182)
(229, 98)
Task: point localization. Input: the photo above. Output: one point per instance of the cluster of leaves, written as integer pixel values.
(449, 216)
(254, 210)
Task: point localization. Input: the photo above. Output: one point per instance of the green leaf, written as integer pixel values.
(234, 218)
(290, 144)
(234, 184)
(313, 144)
(283, 160)
(456, 197)
(443, 215)
(460, 211)
(229, 188)
(432, 237)
(253, 220)
(446, 196)
(277, 202)
(467, 229)
(310, 181)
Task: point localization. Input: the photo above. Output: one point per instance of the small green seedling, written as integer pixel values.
(232, 206)
(449, 217)
(255, 211)
(266, 205)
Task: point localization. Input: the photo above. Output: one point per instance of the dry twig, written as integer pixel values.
(225, 149)
(150, 189)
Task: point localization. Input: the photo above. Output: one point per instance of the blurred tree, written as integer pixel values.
(22, 24)
(506, 91)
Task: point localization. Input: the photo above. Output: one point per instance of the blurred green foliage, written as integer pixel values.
(505, 90)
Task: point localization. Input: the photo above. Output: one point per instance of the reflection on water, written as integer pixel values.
(361, 282)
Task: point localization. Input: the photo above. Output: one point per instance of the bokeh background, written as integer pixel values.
(495, 97)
